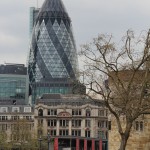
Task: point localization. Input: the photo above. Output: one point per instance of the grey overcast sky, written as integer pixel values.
(89, 17)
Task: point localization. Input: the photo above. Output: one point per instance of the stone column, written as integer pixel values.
(77, 144)
(83, 128)
(93, 144)
(85, 144)
(56, 144)
(100, 145)
(70, 125)
(57, 128)
(44, 127)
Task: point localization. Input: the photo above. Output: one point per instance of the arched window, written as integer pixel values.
(88, 113)
(40, 112)
(136, 125)
(141, 126)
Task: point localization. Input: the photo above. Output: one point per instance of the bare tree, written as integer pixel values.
(3, 139)
(119, 74)
(21, 135)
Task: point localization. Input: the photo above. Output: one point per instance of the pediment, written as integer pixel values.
(64, 114)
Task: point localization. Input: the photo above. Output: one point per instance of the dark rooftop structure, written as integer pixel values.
(68, 99)
(12, 101)
(16, 69)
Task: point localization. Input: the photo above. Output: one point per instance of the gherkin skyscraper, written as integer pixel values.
(53, 59)
(53, 50)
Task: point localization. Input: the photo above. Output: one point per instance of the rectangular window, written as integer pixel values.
(76, 123)
(63, 132)
(51, 123)
(15, 109)
(3, 127)
(87, 133)
(52, 112)
(27, 109)
(52, 132)
(3, 118)
(15, 117)
(88, 123)
(3, 109)
(27, 117)
(102, 134)
(102, 124)
(64, 123)
(76, 112)
(76, 132)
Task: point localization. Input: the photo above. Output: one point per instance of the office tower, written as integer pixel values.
(14, 83)
(53, 63)
(33, 14)
(52, 50)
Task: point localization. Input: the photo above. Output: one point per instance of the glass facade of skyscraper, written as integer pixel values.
(62, 86)
(52, 51)
(33, 14)
(53, 55)
(12, 87)
(14, 83)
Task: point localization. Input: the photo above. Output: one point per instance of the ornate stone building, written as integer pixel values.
(16, 124)
(70, 117)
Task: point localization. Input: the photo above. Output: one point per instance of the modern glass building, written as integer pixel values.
(52, 51)
(33, 15)
(14, 83)
(53, 55)
(62, 86)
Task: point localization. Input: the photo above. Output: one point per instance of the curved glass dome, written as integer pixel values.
(52, 51)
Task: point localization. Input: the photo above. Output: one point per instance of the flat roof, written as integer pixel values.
(18, 69)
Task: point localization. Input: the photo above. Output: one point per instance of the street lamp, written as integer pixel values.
(40, 140)
(48, 138)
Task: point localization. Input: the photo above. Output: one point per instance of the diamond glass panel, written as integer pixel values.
(52, 50)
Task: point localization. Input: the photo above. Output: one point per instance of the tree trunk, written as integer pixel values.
(125, 136)
(123, 142)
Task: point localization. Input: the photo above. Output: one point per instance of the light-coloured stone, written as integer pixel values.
(138, 140)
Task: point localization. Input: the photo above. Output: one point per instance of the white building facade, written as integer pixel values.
(70, 116)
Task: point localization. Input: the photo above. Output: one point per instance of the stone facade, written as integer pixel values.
(11, 116)
(85, 119)
(126, 101)
(69, 118)
(139, 138)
